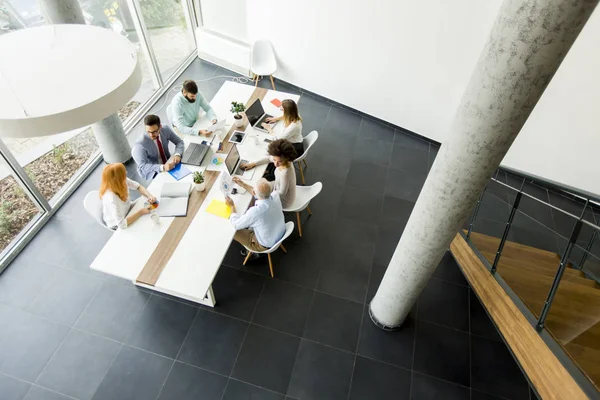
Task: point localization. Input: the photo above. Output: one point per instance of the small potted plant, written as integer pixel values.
(199, 183)
(236, 109)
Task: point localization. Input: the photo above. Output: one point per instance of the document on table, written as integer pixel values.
(174, 200)
(219, 208)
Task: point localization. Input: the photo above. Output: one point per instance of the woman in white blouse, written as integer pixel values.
(281, 154)
(292, 126)
(114, 192)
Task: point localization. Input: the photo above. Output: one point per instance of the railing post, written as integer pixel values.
(513, 211)
(588, 249)
(561, 270)
(475, 211)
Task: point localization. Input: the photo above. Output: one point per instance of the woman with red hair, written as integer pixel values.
(114, 192)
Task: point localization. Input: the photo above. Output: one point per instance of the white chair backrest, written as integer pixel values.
(309, 140)
(93, 205)
(170, 114)
(289, 228)
(304, 194)
(263, 58)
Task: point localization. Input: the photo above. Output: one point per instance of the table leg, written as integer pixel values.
(209, 299)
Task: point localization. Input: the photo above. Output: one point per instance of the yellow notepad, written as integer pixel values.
(219, 208)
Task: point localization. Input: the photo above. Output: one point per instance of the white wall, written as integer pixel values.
(227, 17)
(408, 62)
(561, 139)
(404, 61)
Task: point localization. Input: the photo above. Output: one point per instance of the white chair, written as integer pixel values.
(304, 194)
(263, 61)
(289, 228)
(170, 114)
(309, 140)
(93, 205)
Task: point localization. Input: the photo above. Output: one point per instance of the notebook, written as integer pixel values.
(276, 102)
(219, 208)
(180, 171)
(174, 200)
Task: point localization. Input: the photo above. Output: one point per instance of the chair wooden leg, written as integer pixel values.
(305, 164)
(272, 82)
(256, 84)
(283, 248)
(271, 265)
(247, 257)
(308, 209)
(299, 224)
(301, 174)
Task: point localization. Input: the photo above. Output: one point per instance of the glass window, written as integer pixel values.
(170, 32)
(17, 211)
(115, 15)
(52, 161)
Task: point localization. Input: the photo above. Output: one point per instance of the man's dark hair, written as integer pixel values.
(282, 148)
(151, 119)
(190, 87)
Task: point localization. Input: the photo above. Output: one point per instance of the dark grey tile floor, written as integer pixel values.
(71, 333)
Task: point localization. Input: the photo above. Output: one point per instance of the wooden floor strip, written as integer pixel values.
(166, 247)
(169, 242)
(547, 374)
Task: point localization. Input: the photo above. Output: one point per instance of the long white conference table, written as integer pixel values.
(182, 259)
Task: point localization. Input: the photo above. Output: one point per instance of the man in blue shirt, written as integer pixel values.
(186, 107)
(262, 225)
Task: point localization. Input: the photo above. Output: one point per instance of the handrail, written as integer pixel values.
(555, 185)
(592, 225)
(564, 254)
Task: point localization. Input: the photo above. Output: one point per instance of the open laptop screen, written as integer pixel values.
(232, 159)
(254, 112)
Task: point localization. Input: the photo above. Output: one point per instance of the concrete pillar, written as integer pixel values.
(527, 43)
(57, 12)
(109, 132)
(112, 140)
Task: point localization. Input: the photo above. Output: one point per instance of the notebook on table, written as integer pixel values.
(180, 172)
(174, 200)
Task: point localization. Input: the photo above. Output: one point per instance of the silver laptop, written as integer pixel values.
(256, 115)
(233, 162)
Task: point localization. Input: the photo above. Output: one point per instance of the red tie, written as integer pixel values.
(161, 151)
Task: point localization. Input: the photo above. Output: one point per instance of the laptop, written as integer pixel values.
(233, 162)
(256, 115)
(195, 152)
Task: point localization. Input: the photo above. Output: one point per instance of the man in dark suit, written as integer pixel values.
(151, 151)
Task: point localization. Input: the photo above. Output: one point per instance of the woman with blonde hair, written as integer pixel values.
(291, 129)
(114, 192)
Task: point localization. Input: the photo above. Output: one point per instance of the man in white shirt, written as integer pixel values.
(151, 150)
(262, 225)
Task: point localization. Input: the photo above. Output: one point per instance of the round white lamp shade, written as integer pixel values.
(57, 78)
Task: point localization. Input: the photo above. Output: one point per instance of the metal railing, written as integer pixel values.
(565, 244)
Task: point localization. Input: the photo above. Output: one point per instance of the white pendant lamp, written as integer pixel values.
(57, 78)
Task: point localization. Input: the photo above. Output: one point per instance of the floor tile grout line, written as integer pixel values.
(67, 334)
(312, 302)
(362, 317)
(177, 355)
(256, 386)
(295, 284)
(119, 351)
(262, 289)
(441, 379)
(32, 385)
(414, 351)
(470, 345)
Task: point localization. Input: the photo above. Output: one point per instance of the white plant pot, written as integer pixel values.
(200, 186)
(238, 122)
